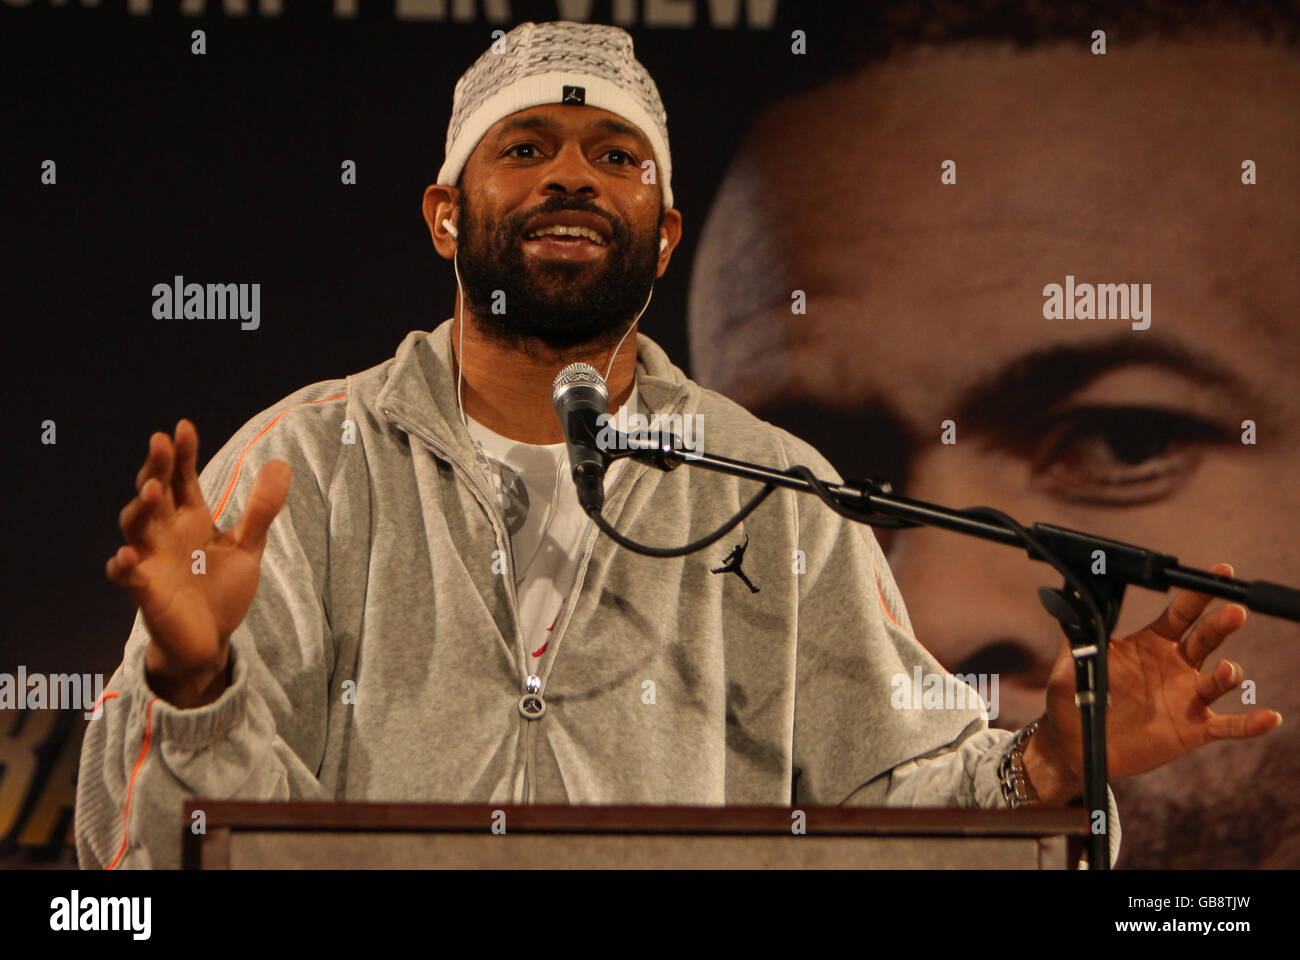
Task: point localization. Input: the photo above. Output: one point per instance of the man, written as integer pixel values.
(925, 303)
(420, 633)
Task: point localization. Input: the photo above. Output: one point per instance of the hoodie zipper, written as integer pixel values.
(529, 781)
(588, 550)
(562, 628)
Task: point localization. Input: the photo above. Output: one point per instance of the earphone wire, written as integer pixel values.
(460, 324)
(637, 319)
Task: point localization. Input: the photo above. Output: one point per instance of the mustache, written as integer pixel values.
(560, 204)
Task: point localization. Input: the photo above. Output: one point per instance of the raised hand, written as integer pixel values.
(171, 536)
(1160, 697)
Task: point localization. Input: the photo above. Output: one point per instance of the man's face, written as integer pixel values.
(925, 304)
(581, 166)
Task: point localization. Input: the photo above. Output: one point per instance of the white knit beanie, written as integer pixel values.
(558, 62)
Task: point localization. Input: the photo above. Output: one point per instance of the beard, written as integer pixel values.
(561, 303)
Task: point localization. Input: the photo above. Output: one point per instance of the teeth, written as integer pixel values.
(562, 231)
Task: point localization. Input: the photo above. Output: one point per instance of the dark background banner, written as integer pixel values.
(226, 168)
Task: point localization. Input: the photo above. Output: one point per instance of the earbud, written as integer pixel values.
(451, 228)
(663, 242)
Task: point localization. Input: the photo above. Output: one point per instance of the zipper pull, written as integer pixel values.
(531, 704)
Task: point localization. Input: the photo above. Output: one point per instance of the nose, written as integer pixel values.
(569, 172)
(973, 603)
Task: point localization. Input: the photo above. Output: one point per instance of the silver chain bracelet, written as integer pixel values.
(1017, 791)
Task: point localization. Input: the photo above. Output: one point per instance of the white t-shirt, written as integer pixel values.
(534, 486)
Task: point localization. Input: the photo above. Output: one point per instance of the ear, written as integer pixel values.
(442, 203)
(671, 229)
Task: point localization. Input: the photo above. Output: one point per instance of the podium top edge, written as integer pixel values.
(635, 818)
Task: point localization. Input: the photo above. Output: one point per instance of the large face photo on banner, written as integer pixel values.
(883, 272)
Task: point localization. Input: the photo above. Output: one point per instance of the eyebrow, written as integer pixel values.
(544, 121)
(1040, 379)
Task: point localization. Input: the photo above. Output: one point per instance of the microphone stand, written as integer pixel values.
(1097, 570)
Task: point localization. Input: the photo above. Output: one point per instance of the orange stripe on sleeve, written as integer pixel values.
(225, 497)
(106, 695)
(144, 751)
(876, 578)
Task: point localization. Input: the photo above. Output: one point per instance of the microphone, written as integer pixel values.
(579, 397)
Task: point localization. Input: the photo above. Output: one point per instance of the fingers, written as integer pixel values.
(134, 518)
(1210, 631)
(121, 566)
(151, 462)
(1185, 607)
(1241, 726)
(123, 569)
(154, 499)
(185, 483)
(158, 463)
(1226, 675)
(270, 490)
(167, 480)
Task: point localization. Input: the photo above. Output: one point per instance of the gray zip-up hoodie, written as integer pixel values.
(382, 657)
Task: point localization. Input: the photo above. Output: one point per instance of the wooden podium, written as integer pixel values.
(328, 835)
